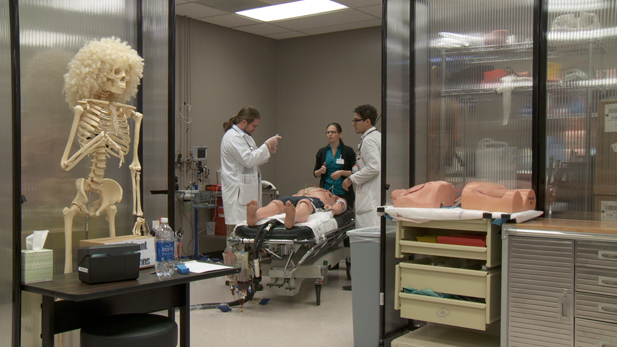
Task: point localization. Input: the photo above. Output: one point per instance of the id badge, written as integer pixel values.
(340, 161)
(355, 168)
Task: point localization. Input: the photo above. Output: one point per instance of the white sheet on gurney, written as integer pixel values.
(320, 222)
(423, 215)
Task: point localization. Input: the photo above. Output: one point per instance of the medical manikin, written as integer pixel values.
(102, 76)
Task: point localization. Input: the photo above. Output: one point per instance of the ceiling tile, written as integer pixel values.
(230, 20)
(343, 27)
(286, 35)
(194, 10)
(323, 20)
(276, 2)
(262, 29)
(372, 10)
(357, 3)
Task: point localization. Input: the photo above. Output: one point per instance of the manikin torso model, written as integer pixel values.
(102, 130)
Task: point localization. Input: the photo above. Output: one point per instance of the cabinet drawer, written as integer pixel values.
(596, 307)
(407, 235)
(596, 280)
(452, 312)
(595, 334)
(441, 249)
(419, 274)
(594, 253)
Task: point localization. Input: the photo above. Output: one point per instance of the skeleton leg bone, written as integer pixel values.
(111, 219)
(69, 214)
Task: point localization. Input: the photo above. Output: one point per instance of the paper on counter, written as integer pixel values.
(201, 267)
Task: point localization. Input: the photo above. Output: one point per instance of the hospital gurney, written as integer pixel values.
(289, 256)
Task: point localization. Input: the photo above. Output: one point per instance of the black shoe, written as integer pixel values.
(333, 267)
(347, 287)
(260, 287)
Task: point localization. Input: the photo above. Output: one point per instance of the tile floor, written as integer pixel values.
(284, 321)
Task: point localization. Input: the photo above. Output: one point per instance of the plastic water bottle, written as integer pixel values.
(165, 241)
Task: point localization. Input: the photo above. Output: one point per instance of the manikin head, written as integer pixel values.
(107, 65)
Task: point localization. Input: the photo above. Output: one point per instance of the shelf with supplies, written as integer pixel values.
(464, 272)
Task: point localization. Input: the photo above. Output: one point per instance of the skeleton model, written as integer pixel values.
(102, 76)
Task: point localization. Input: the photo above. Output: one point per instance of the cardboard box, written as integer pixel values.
(605, 167)
(605, 208)
(37, 266)
(146, 246)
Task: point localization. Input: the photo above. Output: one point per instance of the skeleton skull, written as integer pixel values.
(117, 78)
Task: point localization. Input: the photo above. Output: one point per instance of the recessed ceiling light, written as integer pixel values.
(291, 10)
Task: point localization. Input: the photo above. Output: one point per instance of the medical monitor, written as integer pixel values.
(200, 153)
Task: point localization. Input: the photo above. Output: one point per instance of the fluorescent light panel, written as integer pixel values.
(291, 10)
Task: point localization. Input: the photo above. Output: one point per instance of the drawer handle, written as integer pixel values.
(606, 344)
(604, 308)
(607, 255)
(565, 305)
(607, 281)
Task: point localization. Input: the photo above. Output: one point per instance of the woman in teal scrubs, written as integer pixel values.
(334, 163)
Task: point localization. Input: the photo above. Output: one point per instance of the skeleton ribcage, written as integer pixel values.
(111, 118)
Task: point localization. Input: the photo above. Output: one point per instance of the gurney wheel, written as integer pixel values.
(348, 268)
(318, 293)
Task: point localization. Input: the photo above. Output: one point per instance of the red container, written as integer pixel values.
(220, 228)
(461, 240)
(494, 76)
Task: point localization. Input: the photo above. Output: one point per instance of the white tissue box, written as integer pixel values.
(37, 266)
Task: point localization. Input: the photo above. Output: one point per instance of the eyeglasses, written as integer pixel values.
(356, 120)
(331, 132)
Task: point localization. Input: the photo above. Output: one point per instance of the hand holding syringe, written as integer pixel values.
(272, 143)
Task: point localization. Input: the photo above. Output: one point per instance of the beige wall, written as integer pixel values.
(321, 79)
(228, 70)
(299, 85)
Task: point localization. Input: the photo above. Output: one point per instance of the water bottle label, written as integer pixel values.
(164, 251)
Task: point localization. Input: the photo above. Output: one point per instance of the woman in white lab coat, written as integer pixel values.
(240, 160)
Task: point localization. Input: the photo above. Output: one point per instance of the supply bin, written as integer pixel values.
(365, 245)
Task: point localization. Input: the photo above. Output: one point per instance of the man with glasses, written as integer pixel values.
(366, 174)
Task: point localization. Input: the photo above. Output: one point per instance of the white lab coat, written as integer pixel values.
(367, 180)
(240, 178)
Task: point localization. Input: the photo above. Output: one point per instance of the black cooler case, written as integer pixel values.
(108, 263)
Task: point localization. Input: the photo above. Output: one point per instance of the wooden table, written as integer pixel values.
(81, 304)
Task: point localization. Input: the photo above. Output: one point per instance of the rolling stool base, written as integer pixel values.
(131, 330)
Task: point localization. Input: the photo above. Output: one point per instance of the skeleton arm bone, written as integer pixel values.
(135, 168)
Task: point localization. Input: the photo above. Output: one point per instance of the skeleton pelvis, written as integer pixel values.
(110, 193)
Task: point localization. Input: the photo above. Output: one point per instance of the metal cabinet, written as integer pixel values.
(559, 285)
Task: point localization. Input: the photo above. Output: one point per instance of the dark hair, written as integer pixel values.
(367, 112)
(249, 113)
(338, 128)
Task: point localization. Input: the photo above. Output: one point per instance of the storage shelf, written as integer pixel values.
(519, 51)
(520, 87)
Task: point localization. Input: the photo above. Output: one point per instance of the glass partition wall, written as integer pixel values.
(477, 102)
(581, 80)
(477, 118)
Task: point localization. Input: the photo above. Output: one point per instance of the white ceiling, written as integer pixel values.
(360, 14)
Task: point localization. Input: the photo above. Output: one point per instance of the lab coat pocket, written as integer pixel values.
(249, 188)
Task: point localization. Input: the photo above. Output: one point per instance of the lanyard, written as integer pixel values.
(360, 147)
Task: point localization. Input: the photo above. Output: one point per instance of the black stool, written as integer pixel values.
(131, 330)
